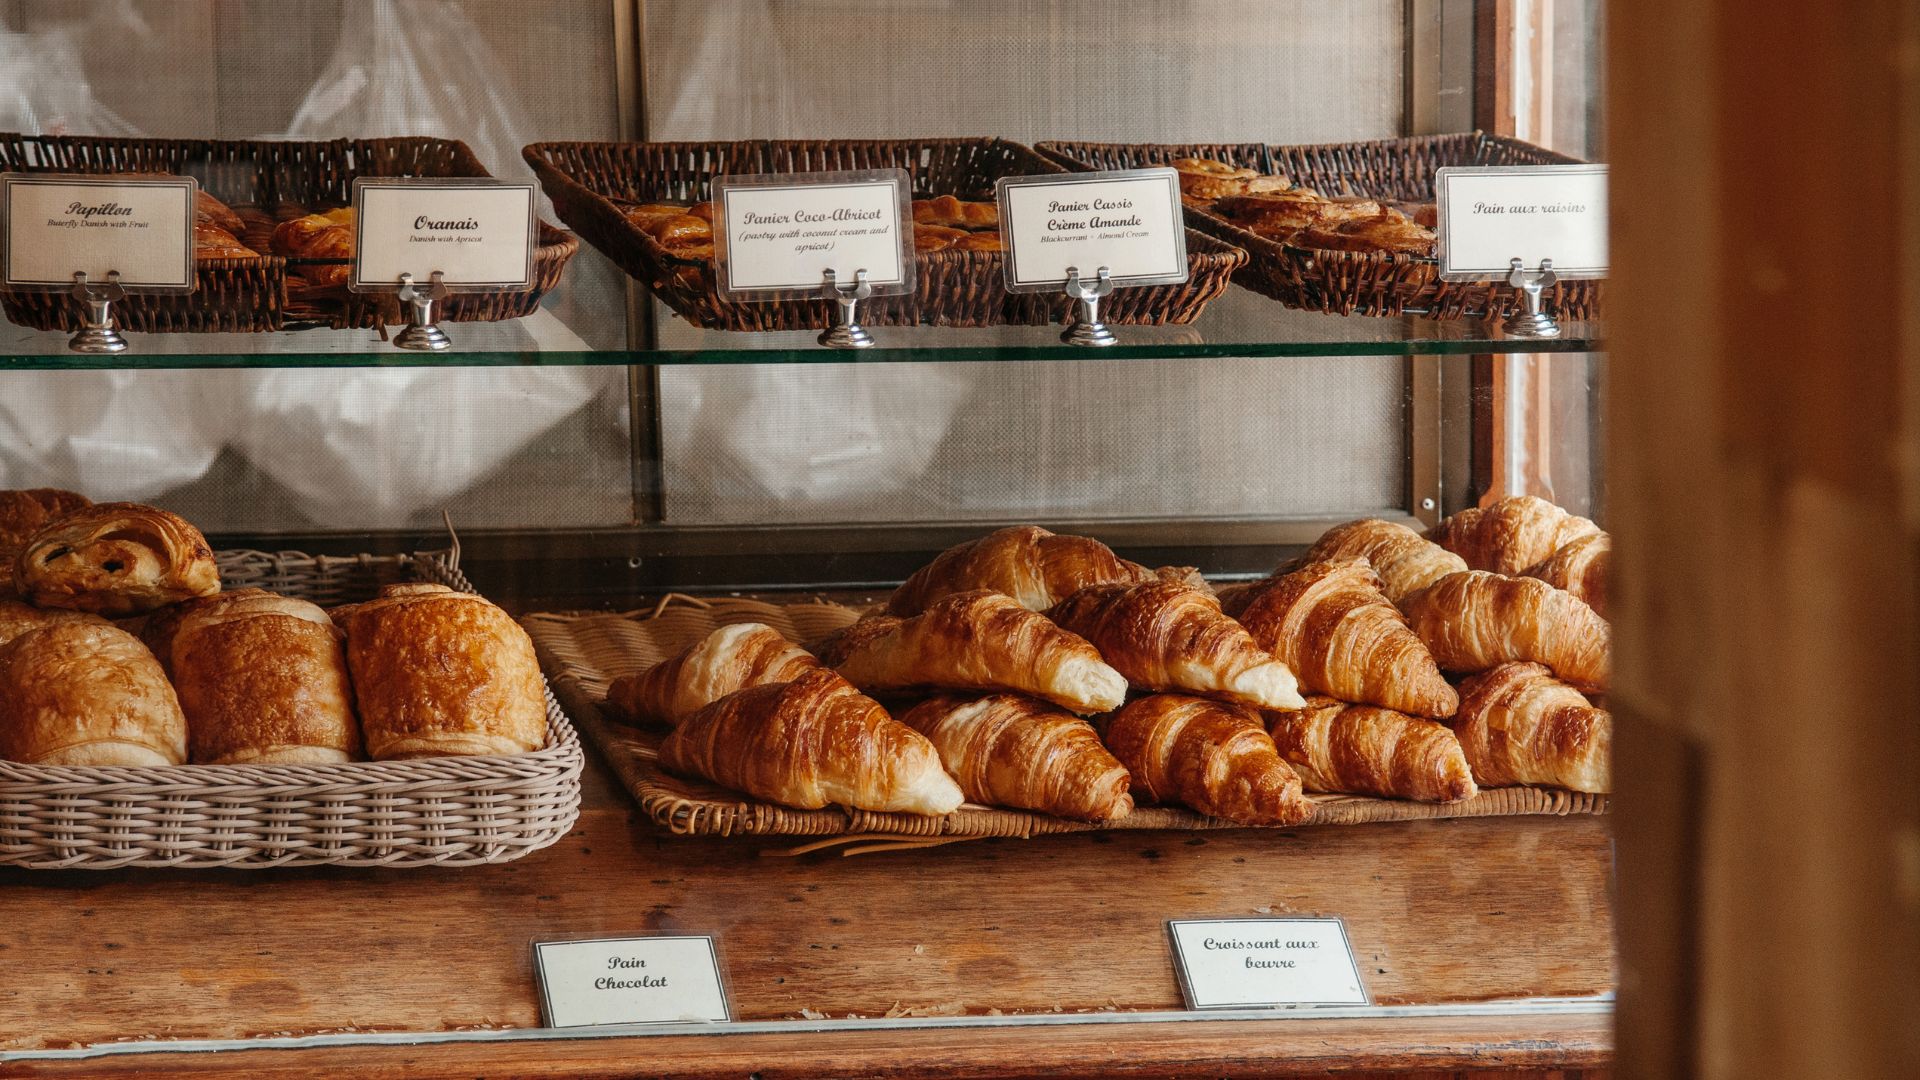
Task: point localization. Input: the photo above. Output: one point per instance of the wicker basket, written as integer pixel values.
(951, 288)
(447, 811)
(266, 182)
(1353, 282)
(584, 652)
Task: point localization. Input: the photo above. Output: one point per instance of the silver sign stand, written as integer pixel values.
(1530, 320)
(421, 334)
(846, 331)
(1086, 328)
(97, 335)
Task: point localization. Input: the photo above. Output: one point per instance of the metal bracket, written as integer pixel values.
(1086, 328)
(421, 335)
(97, 334)
(846, 331)
(1529, 320)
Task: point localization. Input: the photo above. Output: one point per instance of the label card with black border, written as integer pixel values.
(776, 234)
(56, 224)
(476, 232)
(1259, 963)
(1491, 215)
(1129, 221)
(636, 980)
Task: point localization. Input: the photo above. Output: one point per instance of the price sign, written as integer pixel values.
(1492, 216)
(1128, 221)
(637, 980)
(56, 225)
(1252, 963)
(478, 234)
(779, 234)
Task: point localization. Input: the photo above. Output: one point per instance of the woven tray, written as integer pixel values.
(584, 652)
(951, 288)
(265, 182)
(449, 811)
(1353, 282)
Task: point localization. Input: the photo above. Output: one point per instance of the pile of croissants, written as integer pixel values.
(1040, 671)
(118, 647)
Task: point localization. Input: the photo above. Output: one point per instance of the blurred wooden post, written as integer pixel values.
(1765, 414)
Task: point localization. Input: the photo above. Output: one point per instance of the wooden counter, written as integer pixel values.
(1439, 912)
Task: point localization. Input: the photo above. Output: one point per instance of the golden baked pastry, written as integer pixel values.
(1476, 620)
(262, 680)
(1386, 231)
(935, 237)
(1406, 561)
(956, 213)
(23, 513)
(1510, 535)
(327, 235)
(731, 658)
(87, 693)
(17, 618)
(1581, 568)
(810, 743)
(212, 211)
(116, 559)
(1203, 180)
(437, 672)
(1009, 750)
(679, 230)
(1367, 750)
(1030, 564)
(212, 241)
(1520, 725)
(1166, 635)
(1210, 756)
(980, 241)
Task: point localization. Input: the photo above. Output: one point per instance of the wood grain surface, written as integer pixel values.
(1473, 1048)
(1443, 911)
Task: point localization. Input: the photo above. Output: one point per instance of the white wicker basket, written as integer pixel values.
(455, 811)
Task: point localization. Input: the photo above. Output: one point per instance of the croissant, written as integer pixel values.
(23, 513)
(1580, 568)
(809, 743)
(1163, 635)
(1520, 725)
(731, 658)
(262, 679)
(116, 559)
(1510, 535)
(1212, 756)
(1332, 625)
(1030, 564)
(86, 693)
(1476, 620)
(439, 672)
(1008, 750)
(979, 641)
(1367, 750)
(1405, 561)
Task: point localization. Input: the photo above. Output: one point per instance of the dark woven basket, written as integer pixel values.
(1353, 282)
(951, 288)
(265, 182)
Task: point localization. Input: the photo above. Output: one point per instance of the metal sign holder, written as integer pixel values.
(1086, 328)
(1530, 319)
(846, 331)
(97, 335)
(422, 334)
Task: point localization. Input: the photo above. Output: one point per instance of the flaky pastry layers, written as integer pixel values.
(1010, 750)
(1478, 620)
(1580, 567)
(80, 692)
(1030, 564)
(437, 672)
(1510, 535)
(1212, 756)
(116, 559)
(811, 743)
(1332, 625)
(1520, 725)
(1406, 561)
(23, 513)
(262, 680)
(731, 658)
(1367, 750)
(1164, 635)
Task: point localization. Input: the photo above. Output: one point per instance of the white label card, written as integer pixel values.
(1491, 216)
(777, 234)
(1129, 221)
(57, 224)
(640, 980)
(478, 233)
(1251, 963)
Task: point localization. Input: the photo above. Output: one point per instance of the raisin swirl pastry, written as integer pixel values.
(116, 559)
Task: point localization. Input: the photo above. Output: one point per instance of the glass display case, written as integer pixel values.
(622, 479)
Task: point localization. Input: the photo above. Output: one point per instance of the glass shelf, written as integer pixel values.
(1239, 324)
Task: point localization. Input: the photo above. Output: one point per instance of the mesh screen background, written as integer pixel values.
(1227, 438)
(538, 448)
